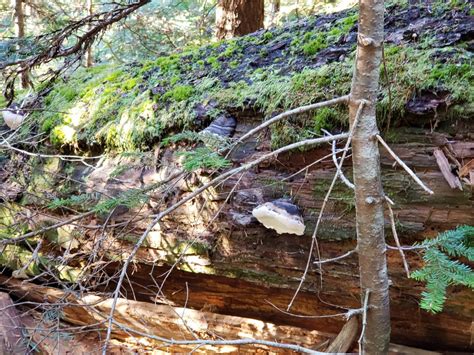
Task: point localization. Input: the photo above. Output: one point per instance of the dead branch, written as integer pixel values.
(397, 241)
(403, 165)
(295, 111)
(53, 44)
(323, 206)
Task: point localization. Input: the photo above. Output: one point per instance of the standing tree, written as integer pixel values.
(369, 194)
(275, 11)
(236, 18)
(20, 33)
(88, 57)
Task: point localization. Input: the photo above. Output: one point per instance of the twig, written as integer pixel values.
(338, 100)
(191, 196)
(403, 165)
(364, 319)
(245, 341)
(6, 144)
(389, 87)
(323, 206)
(350, 313)
(350, 252)
(339, 171)
(397, 241)
(45, 229)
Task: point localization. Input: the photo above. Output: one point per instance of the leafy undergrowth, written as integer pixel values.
(131, 107)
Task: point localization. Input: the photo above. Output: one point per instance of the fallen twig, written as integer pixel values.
(404, 166)
(323, 206)
(295, 111)
(397, 241)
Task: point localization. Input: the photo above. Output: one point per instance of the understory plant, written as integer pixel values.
(443, 266)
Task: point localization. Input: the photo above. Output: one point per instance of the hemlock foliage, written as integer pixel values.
(441, 269)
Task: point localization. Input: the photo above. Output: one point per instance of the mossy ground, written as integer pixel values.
(131, 107)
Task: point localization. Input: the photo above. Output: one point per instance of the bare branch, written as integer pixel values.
(397, 241)
(403, 165)
(314, 241)
(295, 111)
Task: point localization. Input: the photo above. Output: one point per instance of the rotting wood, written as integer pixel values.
(445, 168)
(167, 322)
(11, 337)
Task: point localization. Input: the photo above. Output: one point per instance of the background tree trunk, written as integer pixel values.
(369, 192)
(238, 17)
(275, 11)
(20, 33)
(88, 59)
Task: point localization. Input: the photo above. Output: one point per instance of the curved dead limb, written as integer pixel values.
(295, 111)
(314, 241)
(191, 196)
(202, 342)
(53, 45)
(345, 255)
(404, 166)
(334, 159)
(397, 241)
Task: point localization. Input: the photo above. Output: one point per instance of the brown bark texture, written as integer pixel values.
(236, 18)
(20, 33)
(369, 195)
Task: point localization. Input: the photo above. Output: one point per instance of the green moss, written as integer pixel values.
(179, 93)
(315, 45)
(267, 36)
(214, 63)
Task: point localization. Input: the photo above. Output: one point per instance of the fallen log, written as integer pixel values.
(58, 336)
(11, 338)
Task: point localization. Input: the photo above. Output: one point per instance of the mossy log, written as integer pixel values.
(234, 266)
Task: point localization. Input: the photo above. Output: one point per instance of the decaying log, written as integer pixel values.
(11, 338)
(233, 268)
(159, 320)
(445, 168)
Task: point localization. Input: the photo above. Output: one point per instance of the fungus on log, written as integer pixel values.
(280, 215)
(223, 125)
(13, 117)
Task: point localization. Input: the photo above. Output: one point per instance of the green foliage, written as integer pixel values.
(315, 45)
(179, 93)
(130, 199)
(440, 270)
(203, 157)
(76, 200)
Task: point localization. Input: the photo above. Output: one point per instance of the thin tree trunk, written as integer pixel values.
(275, 11)
(238, 17)
(369, 192)
(88, 58)
(20, 33)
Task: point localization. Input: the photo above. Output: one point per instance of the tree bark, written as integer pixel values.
(20, 33)
(90, 12)
(275, 11)
(367, 177)
(236, 18)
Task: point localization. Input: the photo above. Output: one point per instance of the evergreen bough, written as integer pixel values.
(441, 269)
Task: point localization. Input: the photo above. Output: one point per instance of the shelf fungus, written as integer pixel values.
(223, 125)
(13, 117)
(280, 215)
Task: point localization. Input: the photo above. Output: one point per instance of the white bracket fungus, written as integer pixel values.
(280, 215)
(12, 117)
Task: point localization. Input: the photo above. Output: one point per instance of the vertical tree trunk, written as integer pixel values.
(369, 192)
(275, 10)
(20, 33)
(88, 59)
(238, 17)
